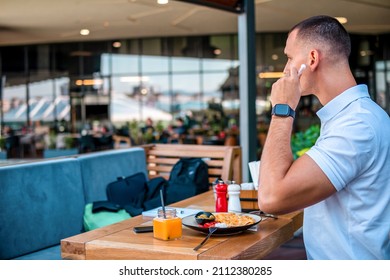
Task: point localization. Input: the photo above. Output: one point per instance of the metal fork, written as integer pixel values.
(263, 214)
(211, 231)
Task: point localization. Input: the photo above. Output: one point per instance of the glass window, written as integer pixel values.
(160, 92)
(180, 64)
(14, 90)
(125, 99)
(15, 106)
(61, 108)
(120, 63)
(213, 84)
(186, 93)
(210, 64)
(154, 64)
(170, 74)
(136, 98)
(106, 64)
(381, 78)
(41, 97)
(380, 65)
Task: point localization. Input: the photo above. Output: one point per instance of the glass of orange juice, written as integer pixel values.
(168, 227)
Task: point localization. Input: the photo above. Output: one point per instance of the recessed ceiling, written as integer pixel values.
(42, 21)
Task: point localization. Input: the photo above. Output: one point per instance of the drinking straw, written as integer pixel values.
(162, 203)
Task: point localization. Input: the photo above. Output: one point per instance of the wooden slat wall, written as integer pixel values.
(223, 161)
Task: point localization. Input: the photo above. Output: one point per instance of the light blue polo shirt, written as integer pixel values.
(353, 151)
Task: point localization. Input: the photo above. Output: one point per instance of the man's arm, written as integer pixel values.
(287, 185)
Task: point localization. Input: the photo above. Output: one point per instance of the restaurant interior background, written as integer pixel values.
(144, 60)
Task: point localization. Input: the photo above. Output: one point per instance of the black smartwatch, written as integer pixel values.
(283, 110)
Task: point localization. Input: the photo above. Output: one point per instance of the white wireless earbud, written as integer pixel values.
(301, 69)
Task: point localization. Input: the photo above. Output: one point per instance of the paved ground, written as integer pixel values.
(292, 250)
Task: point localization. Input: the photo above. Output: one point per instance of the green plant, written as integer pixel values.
(134, 131)
(52, 140)
(148, 136)
(69, 142)
(160, 127)
(302, 141)
(2, 143)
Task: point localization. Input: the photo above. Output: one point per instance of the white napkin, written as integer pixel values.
(247, 186)
(254, 168)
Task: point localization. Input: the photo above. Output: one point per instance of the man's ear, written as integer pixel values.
(314, 59)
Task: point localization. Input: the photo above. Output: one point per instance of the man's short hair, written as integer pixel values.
(325, 30)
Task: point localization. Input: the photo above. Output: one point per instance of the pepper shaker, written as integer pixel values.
(221, 202)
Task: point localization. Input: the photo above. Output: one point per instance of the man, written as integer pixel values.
(343, 182)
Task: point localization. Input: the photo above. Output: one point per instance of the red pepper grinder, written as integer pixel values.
(221, 202)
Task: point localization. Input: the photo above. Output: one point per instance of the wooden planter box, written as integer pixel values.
(248, 200)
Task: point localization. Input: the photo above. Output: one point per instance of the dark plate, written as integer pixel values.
(191, 223)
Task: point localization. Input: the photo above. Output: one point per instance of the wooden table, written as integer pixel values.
(118, 241)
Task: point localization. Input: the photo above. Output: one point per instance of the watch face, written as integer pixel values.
(281, 110)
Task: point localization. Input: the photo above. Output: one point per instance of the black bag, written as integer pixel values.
(153, 197)
(126, 197)
(189, 177)
(128, 192)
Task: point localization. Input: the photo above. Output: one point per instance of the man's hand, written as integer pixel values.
(286, 90)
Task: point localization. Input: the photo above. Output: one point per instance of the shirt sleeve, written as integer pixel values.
(341, 152)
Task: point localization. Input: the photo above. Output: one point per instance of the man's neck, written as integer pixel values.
(332, 83)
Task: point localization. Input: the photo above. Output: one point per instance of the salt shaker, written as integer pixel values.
(234, 204)
(221, 202)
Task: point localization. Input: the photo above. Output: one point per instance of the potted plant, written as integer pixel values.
(3, 151)
(52, 150)
(302, 141)
(134, 132)
(69, 142)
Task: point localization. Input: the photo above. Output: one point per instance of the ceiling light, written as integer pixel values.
(162, 2)
(271, 75)
(217, 51)
(117, 44)
(89, 82)
(366, 53)
(342, 20)
(84, 32)
(144, 91)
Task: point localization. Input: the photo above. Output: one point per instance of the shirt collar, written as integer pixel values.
(341, 101)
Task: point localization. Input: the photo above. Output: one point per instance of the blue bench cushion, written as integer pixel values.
(51, 253)
(41, 203)
(59, 153)
(101, 168)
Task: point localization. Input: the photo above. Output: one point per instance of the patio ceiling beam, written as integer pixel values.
(234, 6)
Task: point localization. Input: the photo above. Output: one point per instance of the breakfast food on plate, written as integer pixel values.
(204, 217)
(234, 220)
(226, 220)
